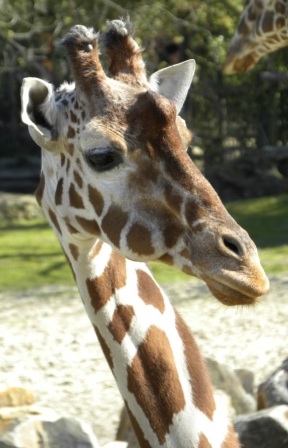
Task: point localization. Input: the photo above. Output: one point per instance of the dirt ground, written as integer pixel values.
(47, 345)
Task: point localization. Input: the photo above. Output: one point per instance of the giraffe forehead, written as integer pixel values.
(101, 133)
(126, 129)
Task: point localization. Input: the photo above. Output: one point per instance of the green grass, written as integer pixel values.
(30, 255)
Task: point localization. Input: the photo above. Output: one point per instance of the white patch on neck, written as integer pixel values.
(103, 258)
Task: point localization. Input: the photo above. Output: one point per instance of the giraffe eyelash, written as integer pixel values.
(103, 159)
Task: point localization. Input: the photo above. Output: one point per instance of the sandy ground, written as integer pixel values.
(47, 345)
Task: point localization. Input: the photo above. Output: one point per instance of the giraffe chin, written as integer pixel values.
(229, 296)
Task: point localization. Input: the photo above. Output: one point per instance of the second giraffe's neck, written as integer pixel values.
(156, 363)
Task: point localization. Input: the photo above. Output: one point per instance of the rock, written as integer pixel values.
(224, 378)
(247, 380)
(125, 430)
(16, 396)
(274, 391)
(6, 444)
(264, 429)
(35, 427)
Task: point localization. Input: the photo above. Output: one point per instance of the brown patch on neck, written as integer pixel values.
(105, 348)
(153, 379)
(202, 392)
(70, 228)
(268, 22)
(75, 199)
(149, 291)
(96, 249)
(54, 220)
(59, 192)
(74, 251)
(102, 288)
(243, 27)
(40, 189)
(280, 23)
(280, 7)
(137, 428)
(203, 442)
(139, 240)
(90, 226)
(231, 439)
(120, 323)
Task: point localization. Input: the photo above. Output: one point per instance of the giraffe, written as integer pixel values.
(119, 189)
(262, 28)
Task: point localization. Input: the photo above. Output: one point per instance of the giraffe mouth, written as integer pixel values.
(232, 296)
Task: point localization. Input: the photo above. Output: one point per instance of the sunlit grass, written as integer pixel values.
(30, 255)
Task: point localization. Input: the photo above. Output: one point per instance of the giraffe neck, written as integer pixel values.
(154, 358)
(262, 28)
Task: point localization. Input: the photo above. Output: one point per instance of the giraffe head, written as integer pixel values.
(115, 167)
(262, 28)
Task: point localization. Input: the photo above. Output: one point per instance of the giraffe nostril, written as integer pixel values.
(232, 245)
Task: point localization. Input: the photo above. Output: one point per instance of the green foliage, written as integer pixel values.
(30, 255)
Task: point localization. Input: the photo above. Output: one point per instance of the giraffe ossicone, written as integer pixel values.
(119, 189)
(262, 28)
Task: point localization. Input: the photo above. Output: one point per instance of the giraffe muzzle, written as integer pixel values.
(231, 268)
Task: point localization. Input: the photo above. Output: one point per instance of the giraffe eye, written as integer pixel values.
(103, 159)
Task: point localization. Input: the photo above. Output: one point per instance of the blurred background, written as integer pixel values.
(239, 122)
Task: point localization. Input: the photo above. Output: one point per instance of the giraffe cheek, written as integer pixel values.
(139, 240)
(171, 234)
(113, 223)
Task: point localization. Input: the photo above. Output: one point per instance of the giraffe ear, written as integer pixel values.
(38, 110)
(174, 82)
